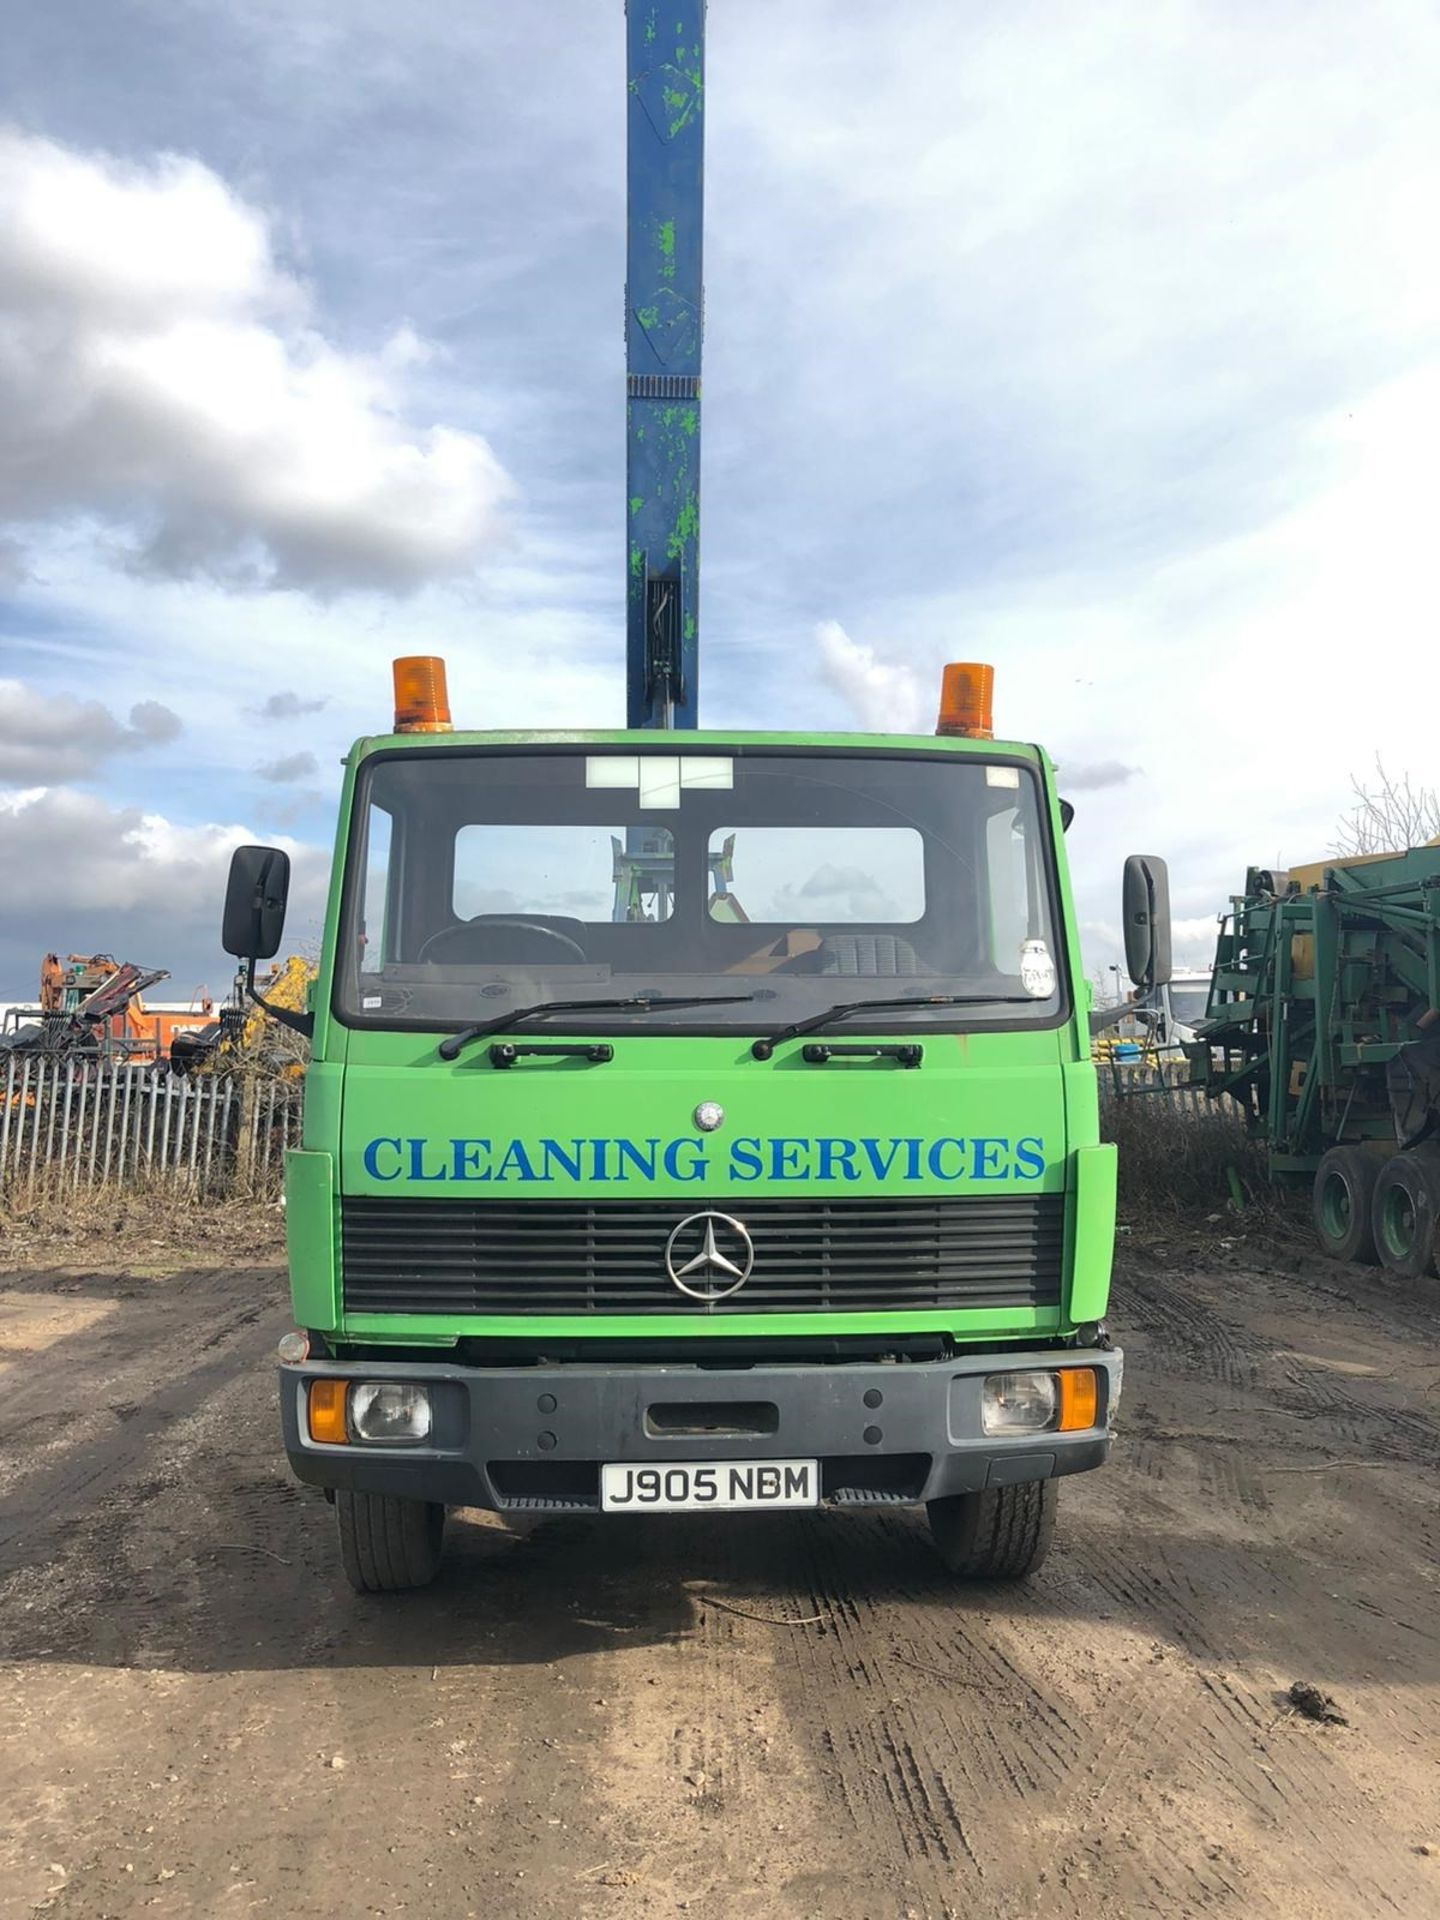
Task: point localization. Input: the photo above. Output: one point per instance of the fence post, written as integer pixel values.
(230, 1133)
(5, 1117)
(77, 1142)
(150, 1123)
(26, 1097)
(112, 1101)
(252, 1098)
(97, 1101)
(125, 1121)
(54, 1109)
(65, 1121)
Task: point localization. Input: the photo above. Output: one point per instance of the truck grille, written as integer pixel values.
(593, 1257)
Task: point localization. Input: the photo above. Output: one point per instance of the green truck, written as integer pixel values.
(697, 1121)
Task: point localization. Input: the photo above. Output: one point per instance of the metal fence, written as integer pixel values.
(1154, 1078)
(70, 1124)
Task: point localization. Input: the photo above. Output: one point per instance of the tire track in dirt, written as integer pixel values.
(87, 1458)
(1235, 1732)
(1196, 1340)
(1185, 1728)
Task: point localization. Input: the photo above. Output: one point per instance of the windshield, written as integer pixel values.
(1188, 1003)
(483, 881)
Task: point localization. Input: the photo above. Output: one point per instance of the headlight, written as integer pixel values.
(1019, 1403)
(389, 1410)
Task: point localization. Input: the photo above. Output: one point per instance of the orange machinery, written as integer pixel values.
(104, 997)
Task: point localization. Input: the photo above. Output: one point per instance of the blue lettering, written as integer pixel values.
(516, 1163)
(417, 1163)
(465, 1159)
(988, 1162)
(552, 1150)
(696, 1163)
(841, 1153)
(372, 1159)
(1030, 1153)
(597, 1171)
(745, 1163)
(644, 1164)
(912, 1159)
(786, 1160)
(937, 1163)
(880, 1164)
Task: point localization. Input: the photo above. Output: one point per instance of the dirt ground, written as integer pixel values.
(774, 1716)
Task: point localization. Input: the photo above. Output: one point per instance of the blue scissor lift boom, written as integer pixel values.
(664, 300)
(664, 320)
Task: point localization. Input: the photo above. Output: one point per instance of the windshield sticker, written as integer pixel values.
(690, 1158)
(1002, 776)
(612, 770)
(661, 778)
(1037, 970)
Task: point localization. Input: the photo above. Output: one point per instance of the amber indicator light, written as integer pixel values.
(1079, 1399)
(327, 1412)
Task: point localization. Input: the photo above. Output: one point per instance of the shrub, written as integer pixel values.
(1177, 1155)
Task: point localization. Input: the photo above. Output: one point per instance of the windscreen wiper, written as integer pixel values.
(454, 1044)
(762, 1049)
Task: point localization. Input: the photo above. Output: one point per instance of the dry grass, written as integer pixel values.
(154, 1227)
(1177, 1161)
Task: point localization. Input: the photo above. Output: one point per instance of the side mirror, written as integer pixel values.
(1067, 814)
(1147, 920)
(255, 902)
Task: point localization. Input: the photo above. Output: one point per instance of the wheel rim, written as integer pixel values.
(1336, 1207)
(1397, 1223)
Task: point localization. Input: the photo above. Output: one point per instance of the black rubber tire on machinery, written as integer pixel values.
(1341, 1204)
(1404, 1212)
(388, 1545)
(1001, 1533)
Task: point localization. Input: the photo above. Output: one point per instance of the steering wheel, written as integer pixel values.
(471, 928)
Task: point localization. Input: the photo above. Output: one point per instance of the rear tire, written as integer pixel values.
(1001, 1533)
(1342, 1204)
(389, 1546)
(1404, 1212)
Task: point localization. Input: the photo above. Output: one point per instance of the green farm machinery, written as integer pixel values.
(1324, 1024)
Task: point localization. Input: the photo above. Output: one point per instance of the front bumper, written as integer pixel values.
(532, 1439)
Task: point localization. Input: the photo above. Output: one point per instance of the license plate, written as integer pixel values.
(693, 1485)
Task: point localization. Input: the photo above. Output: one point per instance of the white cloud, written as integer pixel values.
(286, 705)
(161, 375)
(85, 876)
(884, 695)
(1078, 776)
(289, 767)
(57, 737)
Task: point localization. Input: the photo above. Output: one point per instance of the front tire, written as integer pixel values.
(1000, 1533)
(387, 1545)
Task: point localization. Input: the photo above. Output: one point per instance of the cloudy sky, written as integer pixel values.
(1096, 340)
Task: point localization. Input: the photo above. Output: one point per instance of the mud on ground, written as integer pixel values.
(773, 1716)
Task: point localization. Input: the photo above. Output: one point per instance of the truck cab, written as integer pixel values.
(1171, 1016)
(694, 1121)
